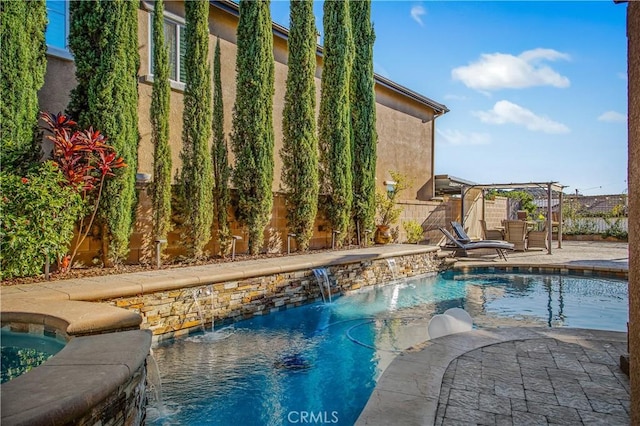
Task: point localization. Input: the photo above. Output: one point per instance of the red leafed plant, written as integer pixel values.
(86, 161)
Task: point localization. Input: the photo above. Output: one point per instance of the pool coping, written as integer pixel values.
(71, 384)
(408, 391)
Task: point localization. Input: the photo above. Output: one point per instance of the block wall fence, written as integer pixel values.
(430, 214)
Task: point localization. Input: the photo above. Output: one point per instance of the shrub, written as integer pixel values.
(85, 162)
(615, 229)
(581, 226)
(39, 211)
(387, 211)
(413, 230)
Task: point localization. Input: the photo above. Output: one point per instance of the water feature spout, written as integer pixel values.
(393, 268)
(196, 293)
(154, 383)
(322, 278)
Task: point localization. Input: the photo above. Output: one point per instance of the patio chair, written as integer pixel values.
(491, 234)
(516, 234)
(462, 235)
(460, 247)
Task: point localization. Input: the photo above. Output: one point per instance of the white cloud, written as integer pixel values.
(613, 117)
(504, 112)
(494, 71)
(456, 137)
(417, 12)
(622, 76)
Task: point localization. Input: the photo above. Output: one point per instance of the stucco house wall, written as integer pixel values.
(405, 119)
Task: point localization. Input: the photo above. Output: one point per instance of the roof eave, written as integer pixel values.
(282, 32)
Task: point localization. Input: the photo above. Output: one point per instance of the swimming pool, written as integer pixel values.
(23, 351)
(319, 363)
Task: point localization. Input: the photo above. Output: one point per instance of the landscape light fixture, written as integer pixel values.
(391, 187)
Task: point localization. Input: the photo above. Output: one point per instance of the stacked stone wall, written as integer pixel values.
(126, 406)
(177, 312)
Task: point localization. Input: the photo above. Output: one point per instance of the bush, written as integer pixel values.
(38, 217)
(413, 230)
(615, 230)
(581, 226)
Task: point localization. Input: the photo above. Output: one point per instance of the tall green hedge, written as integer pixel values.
(252, 137)
(197, 170)
(103, 37)
(300, 144)
(23, 62)
(363, 116)
(160, 97)
(335, 117)
(219, 155)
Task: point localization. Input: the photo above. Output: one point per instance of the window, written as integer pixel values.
(174, 39)
(58, 28)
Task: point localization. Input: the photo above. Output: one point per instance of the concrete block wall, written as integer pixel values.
(495, 211)
(430, 214)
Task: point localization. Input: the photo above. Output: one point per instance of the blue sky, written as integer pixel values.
(537, 90)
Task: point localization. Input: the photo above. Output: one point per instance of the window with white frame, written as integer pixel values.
(175, 41)
(57, 32)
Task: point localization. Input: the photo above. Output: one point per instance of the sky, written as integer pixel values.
(537, 90)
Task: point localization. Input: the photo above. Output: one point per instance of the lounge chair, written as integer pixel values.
(464, 237)
(462, 247)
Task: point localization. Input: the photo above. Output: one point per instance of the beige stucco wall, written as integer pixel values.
(633, 34)
(404, 126)
(399, 119)
(405, 143)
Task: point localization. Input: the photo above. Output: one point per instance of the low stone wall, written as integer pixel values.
(176, 312)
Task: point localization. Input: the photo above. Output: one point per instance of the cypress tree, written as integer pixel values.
(160, 98)
(219, 155)
(197, 170)
(300, 144)
(22, 55)
(335, 118)
(103, 37)
(363, 116)
(252, 137)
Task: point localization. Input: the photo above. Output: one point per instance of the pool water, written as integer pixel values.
(22, 352)
(319, 363)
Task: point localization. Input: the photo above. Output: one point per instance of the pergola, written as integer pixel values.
(550, 187)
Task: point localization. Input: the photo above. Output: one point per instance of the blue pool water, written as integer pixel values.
(21, 352)
(319, 363)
